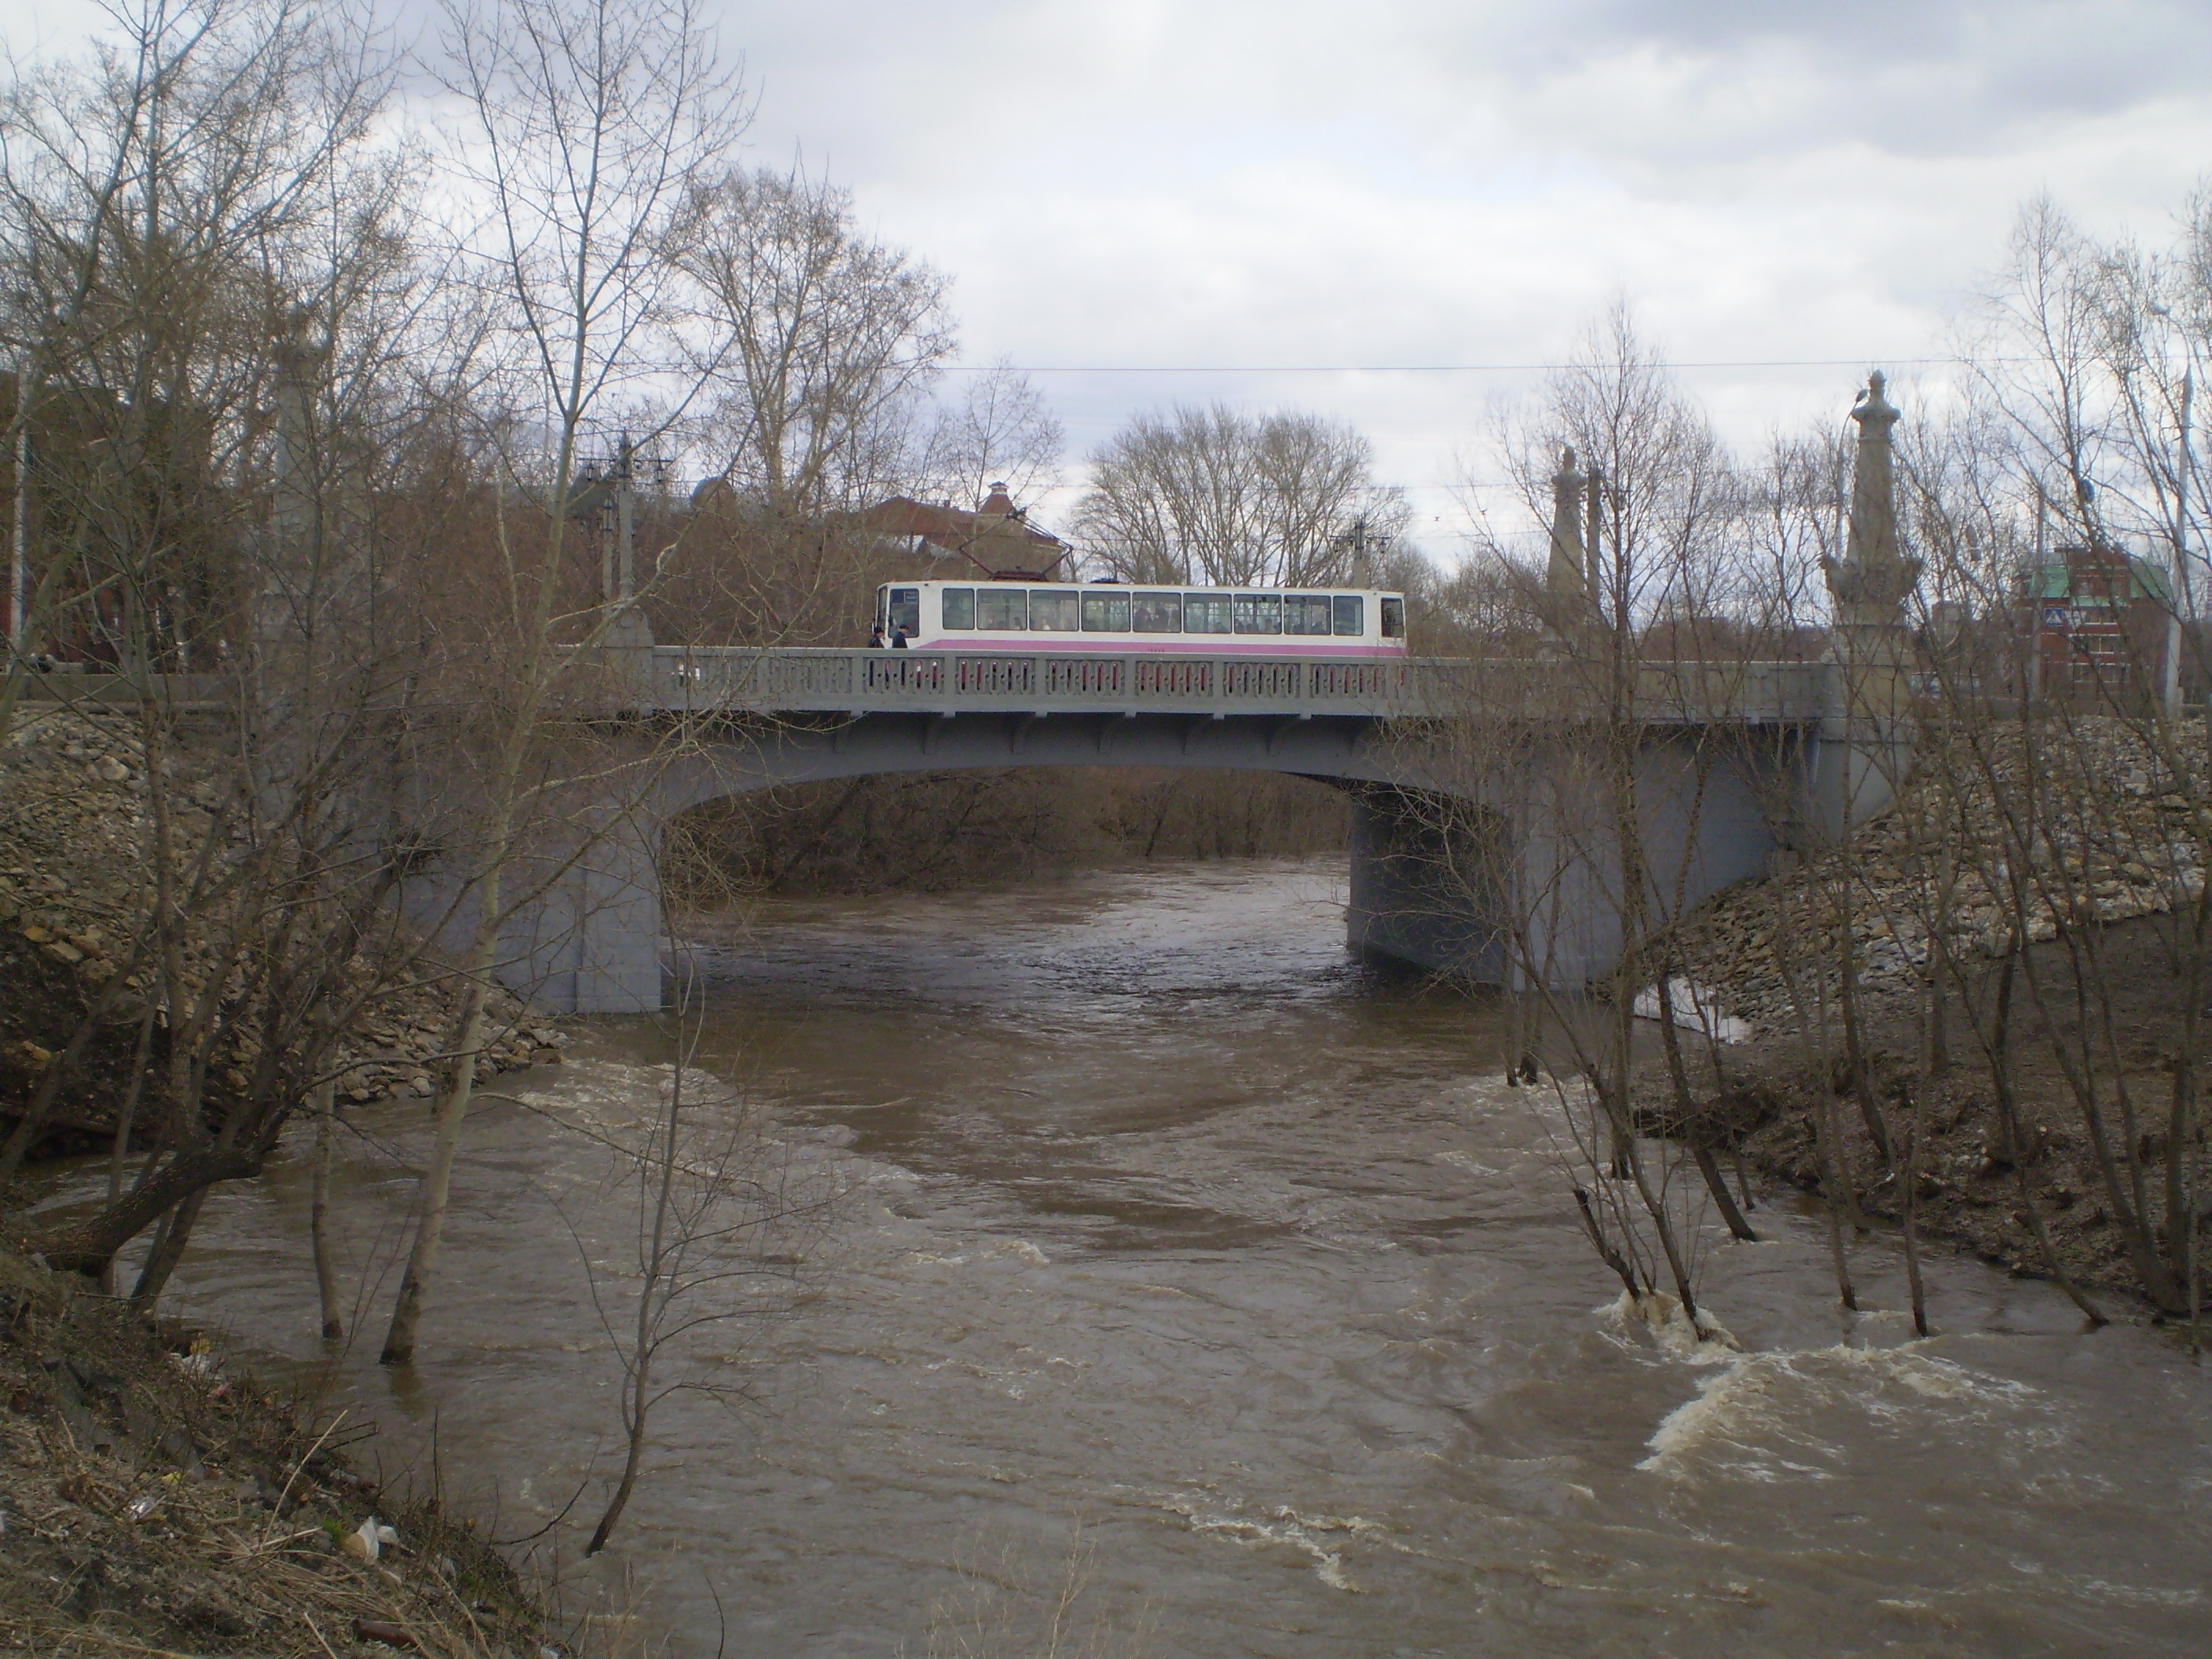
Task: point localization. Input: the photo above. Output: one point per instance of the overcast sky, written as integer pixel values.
(1269, 185)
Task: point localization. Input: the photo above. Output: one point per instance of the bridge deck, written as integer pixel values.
(679, 679)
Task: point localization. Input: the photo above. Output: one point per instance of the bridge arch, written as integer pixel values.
(1336, 750)
(1429, 886)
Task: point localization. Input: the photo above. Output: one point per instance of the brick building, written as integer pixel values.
(2100, 623)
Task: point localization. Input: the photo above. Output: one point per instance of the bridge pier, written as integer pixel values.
(1520, 877)
(592, 943)
(1426, 884)
(584, 927)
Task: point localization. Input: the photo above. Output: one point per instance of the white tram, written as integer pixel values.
(1111, 617)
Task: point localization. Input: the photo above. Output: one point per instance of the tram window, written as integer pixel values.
(1105, 613)
(1055, 610)
(1394, 619)
(1258, 613)
(1206, 613)
(1305, 613)
(1350, 618)
(959, 609)
(906, 609)
(1003, 609)
(1159, 613)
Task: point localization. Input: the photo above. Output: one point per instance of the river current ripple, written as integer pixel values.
(1185, 1256)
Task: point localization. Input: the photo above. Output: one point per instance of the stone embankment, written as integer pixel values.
(77, 889)
(2082, 839)
(2125, 841)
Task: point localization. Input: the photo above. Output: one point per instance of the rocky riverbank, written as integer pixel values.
(1934, 870)
(157, 1502)
(75, 891)
(2114, 861)
(1974, 1187)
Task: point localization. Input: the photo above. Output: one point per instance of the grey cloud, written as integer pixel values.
(1927, 76)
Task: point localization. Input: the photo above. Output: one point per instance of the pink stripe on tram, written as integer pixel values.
(1222, 646)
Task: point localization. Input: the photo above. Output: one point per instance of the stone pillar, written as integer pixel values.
(1566, 578)
(1865, 740)
(1567, 609)
(592, 943)
(1593, 543)
(626, 631)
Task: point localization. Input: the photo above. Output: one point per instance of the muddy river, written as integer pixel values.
(1160, 1259)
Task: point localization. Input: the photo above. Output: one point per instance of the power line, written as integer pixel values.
(1414, 368)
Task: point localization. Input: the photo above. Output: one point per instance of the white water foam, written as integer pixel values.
(995, 1250)
(1756, 1419)
(1321, 1537)
(1661, 1317)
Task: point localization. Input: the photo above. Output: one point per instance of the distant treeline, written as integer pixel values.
(932, 830)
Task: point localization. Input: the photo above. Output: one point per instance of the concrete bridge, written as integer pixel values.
(1453, 846)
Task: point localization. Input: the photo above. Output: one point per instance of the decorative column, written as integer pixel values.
(1866, 737)
(1871, 581)
(1566, 599)
(626, 636)
(1563, 577)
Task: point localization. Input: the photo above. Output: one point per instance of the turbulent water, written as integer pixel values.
(1189, 1267)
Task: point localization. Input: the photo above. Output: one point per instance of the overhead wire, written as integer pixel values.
(1415, 368)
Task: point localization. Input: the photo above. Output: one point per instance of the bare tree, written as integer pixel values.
(215, 294)
(1218, 496)
(998, 430)
(825, 345)
(1572, 784)
(170, 203)
(832, 338)
(586, 128)
(725, 1228)
(2068, 914)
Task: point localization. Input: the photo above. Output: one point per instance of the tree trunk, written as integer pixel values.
(1678, 1079)
(121, 1149)
(1831, 1176)
(632, 1458)
(1911, 1214)
(319, 1211)
(444, 1150)
(651, 1299)
(87, 1246)
(168, 1250)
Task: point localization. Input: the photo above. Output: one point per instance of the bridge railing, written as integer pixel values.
(871, 682)
(679, 679)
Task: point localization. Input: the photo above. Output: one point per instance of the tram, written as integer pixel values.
(1111, 617)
